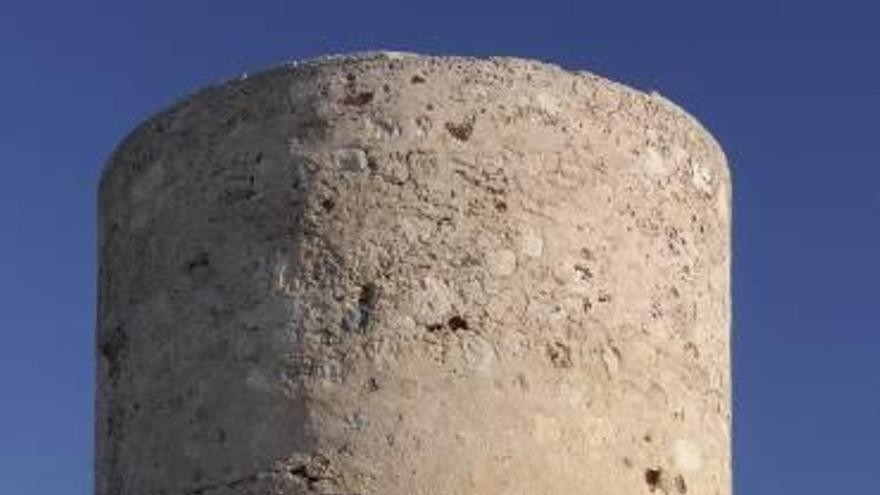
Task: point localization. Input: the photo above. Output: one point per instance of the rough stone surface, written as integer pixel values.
(388, 274)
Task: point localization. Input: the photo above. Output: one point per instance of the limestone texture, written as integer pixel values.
(393, 274)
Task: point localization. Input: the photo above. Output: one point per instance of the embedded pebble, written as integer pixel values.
(653, 163)
(502, 262)
(351, 159)
(531, 244)
(701, 177)
(432, 302)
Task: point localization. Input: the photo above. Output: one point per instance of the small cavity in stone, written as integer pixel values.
(358, 318)
(434, 327)
(358, 99)
(373, 384)
(461, 131)
(457, 323)
(653, 477)
(502, 262)
(680, 484)
(584, 271)
(560, 355)
(351, 159)
(200, 260)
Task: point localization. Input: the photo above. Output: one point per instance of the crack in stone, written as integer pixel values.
(311, 473)
(233, 484)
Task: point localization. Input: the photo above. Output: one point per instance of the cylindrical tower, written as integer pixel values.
(389, 274)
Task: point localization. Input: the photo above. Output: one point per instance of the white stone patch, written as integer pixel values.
(501, 262)
(547, 103)
(281, 283)
(350, 159)
(329, 373)
(379, 128)
(653, 163)
(563, 270)
(478, 352)
(701, 177)
(686, 456)
(432, 302)
(423, 126)
(680, 155)
(570, 273)
(531, 243)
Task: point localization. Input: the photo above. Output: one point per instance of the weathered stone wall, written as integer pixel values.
(389, 274)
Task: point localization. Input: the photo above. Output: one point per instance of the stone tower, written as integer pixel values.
(389, 274)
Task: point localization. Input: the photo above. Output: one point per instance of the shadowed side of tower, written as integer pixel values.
(392, 274)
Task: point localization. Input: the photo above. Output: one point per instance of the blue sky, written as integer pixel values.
(790, 88)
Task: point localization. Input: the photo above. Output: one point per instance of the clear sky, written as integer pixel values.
(790, 88)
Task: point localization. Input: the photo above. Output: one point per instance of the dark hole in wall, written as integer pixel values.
(113, 347)
(434, 327)
(369, 295)
(373, 384)
(457, 323)
(560, 355)
(583, 271)
(653, 477)
(461, 131)
(200, 260)
(358, 99)
(367, 301)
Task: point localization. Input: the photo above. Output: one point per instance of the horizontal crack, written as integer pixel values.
(233, 484)
(310, 473)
